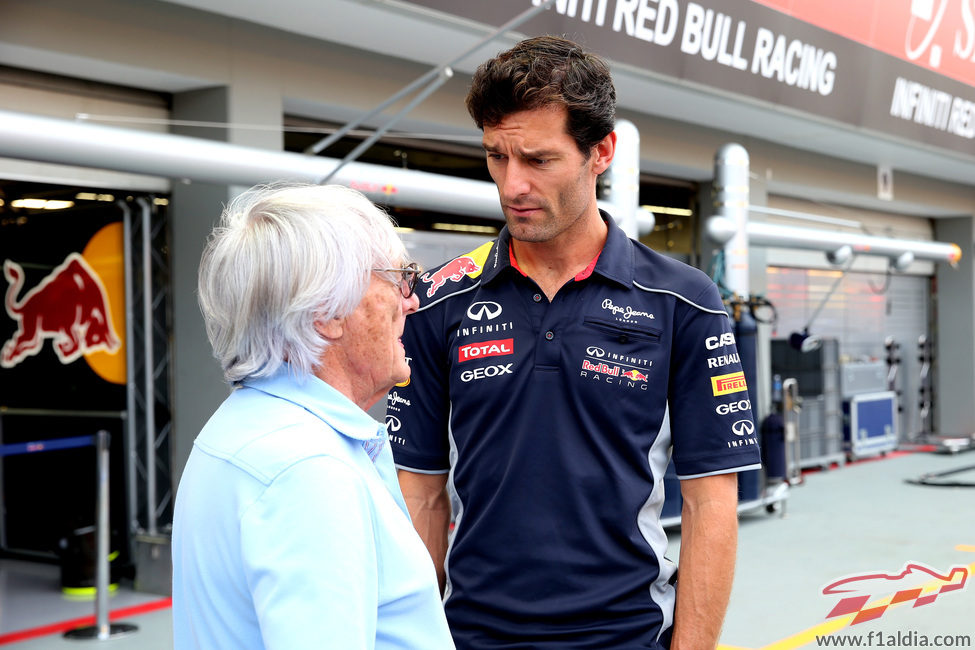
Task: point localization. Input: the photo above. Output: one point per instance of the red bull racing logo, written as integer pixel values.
(69, 306)
(454, 270)
(915, 583)
(611, 373)
(635, 375)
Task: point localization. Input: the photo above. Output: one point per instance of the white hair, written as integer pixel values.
(282, 257)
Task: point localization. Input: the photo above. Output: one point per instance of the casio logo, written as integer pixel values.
(393, 423)
(486, 310)
(593, 351)
(489, 371)
(743, 428)
(733, 407)
(715, 342)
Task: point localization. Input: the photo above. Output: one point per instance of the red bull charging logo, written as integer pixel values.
(69, 306)
(454, 270)
(915, 583)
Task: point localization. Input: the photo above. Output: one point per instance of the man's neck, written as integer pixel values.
(553, 263)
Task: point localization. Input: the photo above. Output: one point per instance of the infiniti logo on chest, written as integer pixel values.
(486, 310)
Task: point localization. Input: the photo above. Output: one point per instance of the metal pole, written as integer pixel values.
(624, 178)
(102, 550)
(731, 200)
(129, 422)
(149, 388)
(429, 76)
(102, 630)
(441, 79)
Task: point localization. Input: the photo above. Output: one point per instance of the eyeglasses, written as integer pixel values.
(410, 276)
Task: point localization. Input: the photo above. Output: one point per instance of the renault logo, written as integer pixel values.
(743, 428)
(484, 309)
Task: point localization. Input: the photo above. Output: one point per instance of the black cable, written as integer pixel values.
(929, 479)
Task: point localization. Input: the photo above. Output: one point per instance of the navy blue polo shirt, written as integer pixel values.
(556, 422)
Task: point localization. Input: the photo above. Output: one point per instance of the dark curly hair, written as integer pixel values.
(547, 71)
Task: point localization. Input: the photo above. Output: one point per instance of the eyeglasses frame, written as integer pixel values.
(410, 278)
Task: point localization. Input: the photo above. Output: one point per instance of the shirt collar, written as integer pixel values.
(615, 261)
(321, 400)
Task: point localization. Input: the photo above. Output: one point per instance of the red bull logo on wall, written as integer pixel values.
(70, 307)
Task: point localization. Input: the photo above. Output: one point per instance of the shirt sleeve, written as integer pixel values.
(310, 559)
(710, 409)
(417, 415)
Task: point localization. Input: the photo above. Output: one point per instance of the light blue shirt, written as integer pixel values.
(290, 530)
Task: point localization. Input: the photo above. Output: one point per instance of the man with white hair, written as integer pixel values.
(290, 530)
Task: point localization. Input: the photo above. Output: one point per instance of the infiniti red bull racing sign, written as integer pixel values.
(70, 307)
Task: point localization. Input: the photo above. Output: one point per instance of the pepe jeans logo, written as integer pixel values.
(626, 312)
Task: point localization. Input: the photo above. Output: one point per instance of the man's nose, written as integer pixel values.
(411, 304)
(516, 179)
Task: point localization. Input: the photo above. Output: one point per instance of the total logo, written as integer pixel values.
(734, 407)
(715, 342)
(488, 371)
(484, 310)
(498, 348)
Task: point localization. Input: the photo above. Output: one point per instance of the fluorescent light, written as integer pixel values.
(33, 204)
(58, 205)
(41, 204)
(91, 196)
(465, 227)
(661, 209)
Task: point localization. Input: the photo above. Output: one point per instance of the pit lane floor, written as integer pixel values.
(860, 520)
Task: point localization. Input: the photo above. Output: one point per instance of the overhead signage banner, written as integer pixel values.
(936, 34)
(747, 48)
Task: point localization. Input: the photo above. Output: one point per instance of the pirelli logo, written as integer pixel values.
(725, 384)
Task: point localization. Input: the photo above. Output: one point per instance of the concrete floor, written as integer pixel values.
(862, 519)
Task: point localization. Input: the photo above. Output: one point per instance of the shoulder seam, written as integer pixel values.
(450, 295)
(679, 296)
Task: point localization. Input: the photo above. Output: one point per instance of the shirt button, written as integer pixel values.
(537, 297)
(549, 335)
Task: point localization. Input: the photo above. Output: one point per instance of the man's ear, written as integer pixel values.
(330, 329)
(602, 153)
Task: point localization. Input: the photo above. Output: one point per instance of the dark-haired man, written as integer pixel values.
(554, 371)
